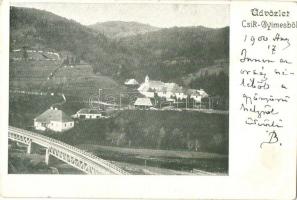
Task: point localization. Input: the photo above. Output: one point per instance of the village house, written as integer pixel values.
(87, 113)
(197, 95)
(131, 82)
(143, 103)
(180, 94)
(53, 119)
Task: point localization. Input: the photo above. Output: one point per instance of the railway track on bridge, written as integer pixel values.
(73, 156)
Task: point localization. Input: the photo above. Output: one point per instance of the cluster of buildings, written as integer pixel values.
(171, 92)
(34, 54)
(56, 120)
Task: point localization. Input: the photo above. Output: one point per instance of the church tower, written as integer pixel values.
(147, 79)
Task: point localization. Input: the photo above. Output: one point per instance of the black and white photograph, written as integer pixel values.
(118, 89)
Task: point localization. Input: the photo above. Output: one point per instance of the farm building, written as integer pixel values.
(87, 113)
(131, 82)
(53, 119)
(143, 103)
(197, 95)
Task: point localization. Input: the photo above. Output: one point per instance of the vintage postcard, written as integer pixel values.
(118, 91)
(179, 97)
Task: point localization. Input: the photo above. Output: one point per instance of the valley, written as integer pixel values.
(59, 65)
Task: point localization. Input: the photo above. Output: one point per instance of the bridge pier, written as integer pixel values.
(47, 156)
(29, 148)
(73, 156)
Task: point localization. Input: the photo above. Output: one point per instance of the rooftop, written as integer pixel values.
(159, 86)
(131, 82)
(53, 115)
(88, 111)
(143, 102)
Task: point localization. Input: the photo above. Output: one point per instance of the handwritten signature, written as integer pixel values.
(273, 138)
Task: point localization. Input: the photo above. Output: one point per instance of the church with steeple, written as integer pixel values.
(169, 91)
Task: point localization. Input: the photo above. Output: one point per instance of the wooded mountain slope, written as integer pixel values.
(119, 29)
(166, 54)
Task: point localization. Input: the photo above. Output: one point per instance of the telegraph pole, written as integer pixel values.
(47, 156)
(99, 97)
(120, 101)
(99, 93)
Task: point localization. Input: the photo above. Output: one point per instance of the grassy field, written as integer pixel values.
(30, 74)
(179, 161)
(182, 161)
(151, 152)
(78, 80)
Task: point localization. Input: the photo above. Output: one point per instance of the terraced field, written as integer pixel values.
(51, 76)
(30, 74)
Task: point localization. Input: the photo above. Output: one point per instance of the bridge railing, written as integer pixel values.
(90, 156)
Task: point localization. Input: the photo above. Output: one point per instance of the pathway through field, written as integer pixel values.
(152, 152)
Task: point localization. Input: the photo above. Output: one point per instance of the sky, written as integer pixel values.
(159, 15)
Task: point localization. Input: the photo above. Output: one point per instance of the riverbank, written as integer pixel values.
(162, 162)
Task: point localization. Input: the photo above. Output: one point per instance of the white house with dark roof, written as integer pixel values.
(53, 119)
(88, 113)
(131, 82)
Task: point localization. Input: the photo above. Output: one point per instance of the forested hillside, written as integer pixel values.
(166, 54)
(41, 29)
(170, 53)
(119, 29)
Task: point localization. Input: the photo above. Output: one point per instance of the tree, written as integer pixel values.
(121, 139)
(112, 137)
(176, 138)
(121, 124)
(66, 61)
(189, 142)
(161, 135)
(217, 139)
(25, 53)
(197, 145)
(131, 133)
(116, 138)
(77, 60)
